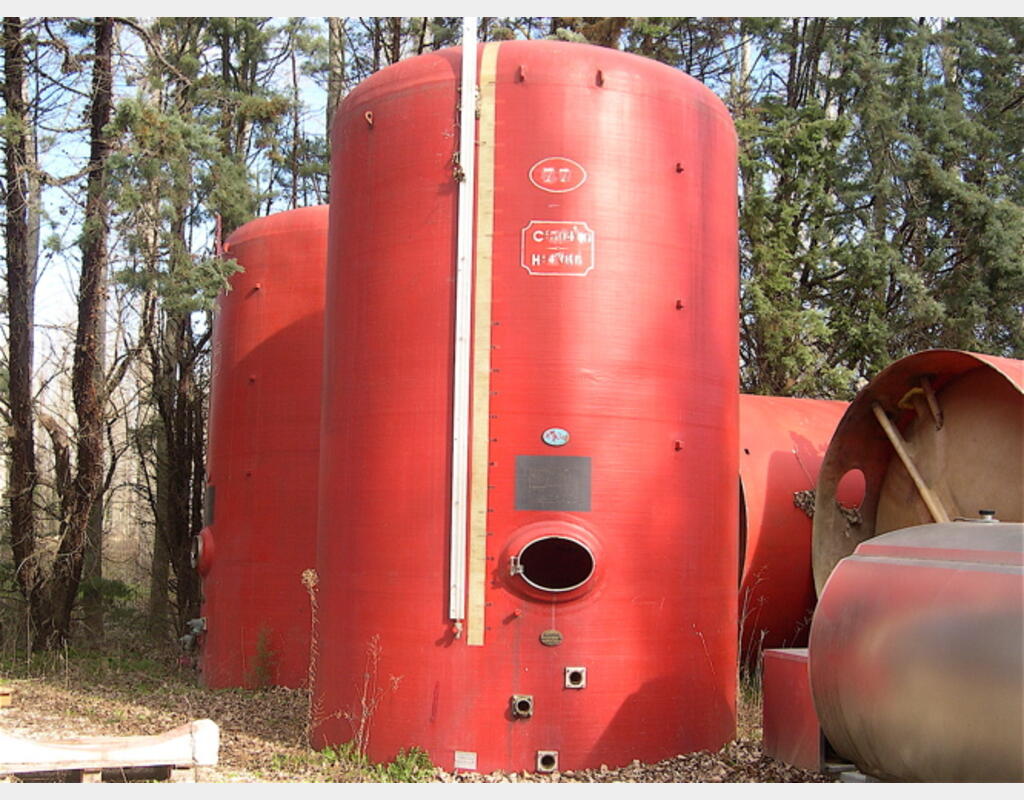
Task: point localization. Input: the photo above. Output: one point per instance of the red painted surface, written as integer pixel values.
(791, 732)
(782, 443)
(1012, 368)
(264, 446)
(607, 356)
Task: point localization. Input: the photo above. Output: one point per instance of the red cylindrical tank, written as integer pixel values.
(934, 436)
(917, 654)
(782, 443)
(263, 455)
(601, 592)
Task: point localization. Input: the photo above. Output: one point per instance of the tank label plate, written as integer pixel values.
(552, 483)
(557, 248)
(551, 638)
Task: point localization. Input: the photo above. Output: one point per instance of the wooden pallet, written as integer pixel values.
(165, 773)
(173, 755)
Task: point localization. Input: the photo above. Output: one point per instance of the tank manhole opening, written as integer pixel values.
(556, 563)
(547, 760)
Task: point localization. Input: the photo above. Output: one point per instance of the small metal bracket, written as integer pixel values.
(575, 677)
(547, 760)
(922, 400)
(984, 515)
(514, 566)
(195, 552)
(522, 705)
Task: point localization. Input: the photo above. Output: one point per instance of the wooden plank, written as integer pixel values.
(481, 388)
(931, 500)
(107, 775)
(194, 744)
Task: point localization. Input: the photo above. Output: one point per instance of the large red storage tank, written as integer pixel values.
(917, 654)
(934, 436)
(782, 443)
(600, 590)
(263, 454)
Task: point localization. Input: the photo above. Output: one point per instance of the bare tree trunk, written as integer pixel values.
(35, 193)
(296, 131)
(22, 475)
(181, 452)
(395, 40)
(160, 570)
(86, 391)
(179, 502)
(92, 570)
(426, 36)
(335, 72)
(377, 42)
(159, 605)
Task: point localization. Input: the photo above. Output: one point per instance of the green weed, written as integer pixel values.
(262, 667)
(409, 766)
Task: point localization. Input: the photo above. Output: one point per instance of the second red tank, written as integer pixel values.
(782, 443)
(264, 444)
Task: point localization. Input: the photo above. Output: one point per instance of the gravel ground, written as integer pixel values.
(263, 731)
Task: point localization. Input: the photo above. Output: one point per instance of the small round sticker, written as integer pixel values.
(556, 437)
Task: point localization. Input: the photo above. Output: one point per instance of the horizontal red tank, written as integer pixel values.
(782, 443)
(935, 436)
(600, 618)
(917, 654)
(263, 455)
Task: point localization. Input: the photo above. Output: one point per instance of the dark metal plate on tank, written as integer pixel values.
(551, 638)
(552, 483)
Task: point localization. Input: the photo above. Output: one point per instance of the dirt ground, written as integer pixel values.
(263, 731)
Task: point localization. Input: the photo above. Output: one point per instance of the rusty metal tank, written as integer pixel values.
(917, 654)
(782, 443)
(600, 570)
(260, 529)
(934, 436)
